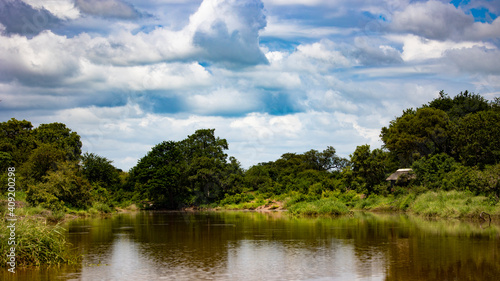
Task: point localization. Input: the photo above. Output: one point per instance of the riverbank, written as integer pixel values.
(42, 240)
(431, 204)
(33, 236)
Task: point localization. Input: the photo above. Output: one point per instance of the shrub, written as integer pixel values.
(319, 207)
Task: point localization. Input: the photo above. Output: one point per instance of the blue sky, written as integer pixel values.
(271, 76)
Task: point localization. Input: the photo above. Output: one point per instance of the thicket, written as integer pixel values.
(51, 170)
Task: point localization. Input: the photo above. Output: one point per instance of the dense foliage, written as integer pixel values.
(450, 143)
(50, 168)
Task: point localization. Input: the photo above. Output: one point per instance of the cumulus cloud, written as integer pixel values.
(416, 48)
(432, 19)
(18, 17)
(44, 60)
(224, 32)
(285, 77)
(63, 9)
(367, 52)
(228, 31)
(475, 59)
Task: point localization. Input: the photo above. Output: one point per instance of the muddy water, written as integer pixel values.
(275, 246)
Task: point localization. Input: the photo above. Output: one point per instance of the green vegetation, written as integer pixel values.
(452, 144)
(37, 243)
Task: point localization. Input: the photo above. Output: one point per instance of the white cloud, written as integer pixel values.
(306, 85)
(223, 101)
(330, 101)
(476, 59)
(63, 9)
(46, 56)
(285, 28)
(417, 48)
(483, 31)
(432, 19)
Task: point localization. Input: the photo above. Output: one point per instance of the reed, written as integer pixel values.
(37, 243)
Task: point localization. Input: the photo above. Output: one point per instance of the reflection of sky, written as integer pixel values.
(252, 246)
(127, 259)
(120, 261)
(296, 260)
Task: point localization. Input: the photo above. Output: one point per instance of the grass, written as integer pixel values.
(37, 244)
(325, 206)
(436, 204)
(452, 204)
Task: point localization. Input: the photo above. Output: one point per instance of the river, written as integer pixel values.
(276, 246)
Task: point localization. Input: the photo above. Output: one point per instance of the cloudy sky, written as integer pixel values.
(271, 76)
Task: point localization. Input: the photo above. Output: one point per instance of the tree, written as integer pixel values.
(324, 161)
(203, 143)
(461, 105)
(417, 134)
(158, 175)
(58, 135)
(432, 170)
(369, 168)
(16, 142)
(476, 140)
(206, 162)
(98, 169)
(43, 159)
(64, 187)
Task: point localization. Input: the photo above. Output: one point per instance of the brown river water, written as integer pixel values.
(275, 246)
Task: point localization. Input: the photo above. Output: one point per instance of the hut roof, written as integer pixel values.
(398, 173)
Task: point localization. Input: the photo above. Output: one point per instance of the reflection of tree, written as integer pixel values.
(444, 251)
(365, 245)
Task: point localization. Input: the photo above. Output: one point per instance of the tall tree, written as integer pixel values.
(98, 169)
(16, 142)
(58, 135)
(417, 134)
(476, 140)
(158, 175)
(368, 167)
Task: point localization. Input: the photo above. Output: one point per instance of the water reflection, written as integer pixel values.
(275, 246)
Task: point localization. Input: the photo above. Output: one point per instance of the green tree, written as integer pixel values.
(158, 175)
(58, 135)
(64, 187)
(461, 105)
(43, 159)
(206, 163)
(431, 171)
(417, 134)
(16, 142)
(476, 139)
(368, 167)
(326, 160)
(98, 169)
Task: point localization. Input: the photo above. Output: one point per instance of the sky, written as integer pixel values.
(270, 76)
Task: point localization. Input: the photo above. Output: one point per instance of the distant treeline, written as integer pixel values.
(450, 143)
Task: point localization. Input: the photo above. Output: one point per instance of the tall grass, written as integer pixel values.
(325, 206)
(37, 244)
(452, 204)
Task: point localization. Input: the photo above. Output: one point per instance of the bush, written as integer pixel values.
(236, 199)
(319, 207)
(102, 207)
